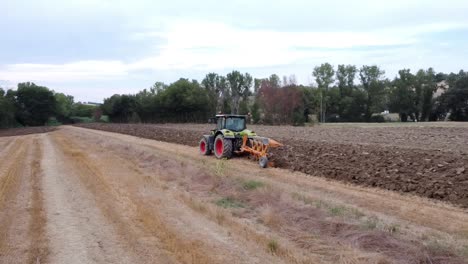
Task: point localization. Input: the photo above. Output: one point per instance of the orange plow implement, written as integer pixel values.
(258, 148)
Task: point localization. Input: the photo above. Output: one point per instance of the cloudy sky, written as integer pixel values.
(92, 49)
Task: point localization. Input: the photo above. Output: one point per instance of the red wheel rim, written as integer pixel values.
(219, 147)
(203, 147)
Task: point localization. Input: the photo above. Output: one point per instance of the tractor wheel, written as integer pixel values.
(222, 147)
(204, 147)
(263, 162)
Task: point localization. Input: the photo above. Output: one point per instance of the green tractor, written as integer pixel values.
(232, 136)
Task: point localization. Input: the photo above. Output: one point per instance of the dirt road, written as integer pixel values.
(84, 196)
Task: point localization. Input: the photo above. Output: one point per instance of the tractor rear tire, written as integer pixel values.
(222, 147)
(204, 147)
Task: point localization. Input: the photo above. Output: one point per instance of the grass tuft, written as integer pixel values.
(370, 223)
(272, 246)
(229, 202)
(337, 210)
(252, 185)
(220, 168)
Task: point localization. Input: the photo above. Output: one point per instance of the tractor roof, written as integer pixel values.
(228, 115)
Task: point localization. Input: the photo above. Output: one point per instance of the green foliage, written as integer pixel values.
(64, 106)
(324, 75)
(374, 87)
(81, 119)
(83, 110)
(7, 111)
(252, 185)
(229, 202)
(53, 122)
(455, 100)
(34, 104)
(338, 97)
(239, 85)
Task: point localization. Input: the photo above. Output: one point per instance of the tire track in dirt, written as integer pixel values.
(160, 215)
(13, 214)
(76, 228)
(39, 249)
(6, 149)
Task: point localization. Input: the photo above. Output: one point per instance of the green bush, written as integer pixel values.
(80, 119)
(53, 122)
(377, 119)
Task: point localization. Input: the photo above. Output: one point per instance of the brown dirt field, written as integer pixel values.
(86, 196)
(428, 161)
(8, 132)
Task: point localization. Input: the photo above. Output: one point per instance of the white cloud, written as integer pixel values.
(80, 70)
(210, 46)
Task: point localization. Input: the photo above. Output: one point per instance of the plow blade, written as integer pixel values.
(258, 148)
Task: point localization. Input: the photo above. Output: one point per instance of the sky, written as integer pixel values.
(92, 49)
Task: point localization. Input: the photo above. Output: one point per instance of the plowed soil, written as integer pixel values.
(77, 195)
(429, 160)
(8, 132)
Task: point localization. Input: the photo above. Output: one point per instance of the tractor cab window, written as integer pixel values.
(220, 123)
(235, 123)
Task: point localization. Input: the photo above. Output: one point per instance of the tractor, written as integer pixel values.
(231, 136)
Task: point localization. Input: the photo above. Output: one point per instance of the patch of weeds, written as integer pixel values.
(392, 228)
(437, 247)
(252, 185)
(272, 246)
(337, 210)
(302, 198)
(356, 213)
(220, 167)
(370, 223)
(229, 202)
(319, 204)
(464, 251)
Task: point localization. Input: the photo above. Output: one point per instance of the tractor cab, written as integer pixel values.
(234, 123)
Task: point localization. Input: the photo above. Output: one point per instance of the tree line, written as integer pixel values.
(33, 105)
(342, 94)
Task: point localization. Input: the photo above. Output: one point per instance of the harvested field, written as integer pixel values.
(427, 161)
(78, 195)
(8, 132)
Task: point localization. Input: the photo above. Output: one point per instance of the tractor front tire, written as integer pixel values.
(222, 147)
(204, 147)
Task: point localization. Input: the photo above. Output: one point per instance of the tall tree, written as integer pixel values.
(373, 83)
(402, 95)
(454, 102)
(324, 78)
(64, 105)
(217, 89)
(345, 75)
(239, 85)
(7, 110)
(35, 104)
(324, 75)
(426, 85)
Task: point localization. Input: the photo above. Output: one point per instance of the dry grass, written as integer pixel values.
(185, 251)
(323, 195)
